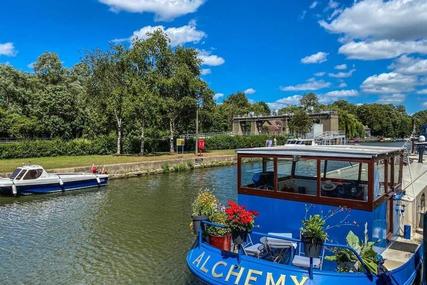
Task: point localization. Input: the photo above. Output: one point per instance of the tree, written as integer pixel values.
(350, 124)
(260, 108)
(300, 123)
(420, 119)
(110, 83)
(310, 102)
(48, 67)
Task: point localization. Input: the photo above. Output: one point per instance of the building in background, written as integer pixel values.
(323, 122)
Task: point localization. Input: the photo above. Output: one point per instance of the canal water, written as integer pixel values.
(135, 231)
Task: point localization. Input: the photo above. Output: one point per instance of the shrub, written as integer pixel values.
(56, 147)
(131, 145)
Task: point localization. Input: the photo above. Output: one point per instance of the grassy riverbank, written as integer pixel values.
(8, 165)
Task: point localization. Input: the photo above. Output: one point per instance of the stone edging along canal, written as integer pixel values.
(135, 169)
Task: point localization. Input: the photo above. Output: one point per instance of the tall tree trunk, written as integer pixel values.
(119, 136)
(141, 151)
(171, 131)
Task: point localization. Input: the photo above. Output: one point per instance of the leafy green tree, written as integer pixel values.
(110, 83)
(300, 123)
(260, 108)
(420, 118)
(350, 124)
(310, 102)
(49, 68)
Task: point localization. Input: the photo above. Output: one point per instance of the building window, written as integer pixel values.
(344, 179)
(257, 173)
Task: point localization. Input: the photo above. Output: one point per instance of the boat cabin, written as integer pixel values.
(359, 180)
(28, 172)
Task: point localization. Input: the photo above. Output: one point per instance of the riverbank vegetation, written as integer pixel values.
(104, 145)
(8, 165)
(138, 99)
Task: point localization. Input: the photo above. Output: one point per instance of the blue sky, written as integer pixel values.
(276, 51)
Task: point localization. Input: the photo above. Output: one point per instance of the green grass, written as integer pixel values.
(8, 165)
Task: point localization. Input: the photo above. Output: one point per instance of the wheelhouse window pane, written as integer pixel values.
(33, 174)
(257, 173)
(379, 178)
(297, 176)
(397, 177)
(19, 176)
(15, 173)
(344, 179)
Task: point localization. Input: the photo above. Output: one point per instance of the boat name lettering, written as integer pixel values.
(236, 273)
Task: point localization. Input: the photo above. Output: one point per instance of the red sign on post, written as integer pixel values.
(201, 144)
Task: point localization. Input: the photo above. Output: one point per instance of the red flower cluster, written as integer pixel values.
(238, 217)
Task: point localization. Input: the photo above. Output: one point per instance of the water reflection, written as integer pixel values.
(134, 232)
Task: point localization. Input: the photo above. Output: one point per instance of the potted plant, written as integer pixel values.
(240, 222)
(313, 235)
(348, 262)
(219, 237)
(203, 206)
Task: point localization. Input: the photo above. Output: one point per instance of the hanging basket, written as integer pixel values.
(312, 246)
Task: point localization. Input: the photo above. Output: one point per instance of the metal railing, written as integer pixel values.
(368, 272)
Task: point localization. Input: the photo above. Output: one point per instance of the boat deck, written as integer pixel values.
(400, 251)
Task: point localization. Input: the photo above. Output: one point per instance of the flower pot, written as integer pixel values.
(197, 221)
(239, 237)
(220, 242)
(312, 247)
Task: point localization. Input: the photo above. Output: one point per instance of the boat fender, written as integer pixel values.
(14, 190)
(61, 183)
(98, 180)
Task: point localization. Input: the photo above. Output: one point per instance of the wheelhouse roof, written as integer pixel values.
(343, 151)
(30, 167)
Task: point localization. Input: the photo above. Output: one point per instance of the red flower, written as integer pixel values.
(240, 218)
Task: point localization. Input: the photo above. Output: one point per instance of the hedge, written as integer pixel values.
(107, 145)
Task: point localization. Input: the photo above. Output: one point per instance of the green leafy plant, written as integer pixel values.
(348, 262)
(218, 217)
(205, 204)
(314, 228)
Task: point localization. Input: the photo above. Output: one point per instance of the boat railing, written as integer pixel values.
(294, 240)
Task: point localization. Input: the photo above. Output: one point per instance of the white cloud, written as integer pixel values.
(341, 66)
(392, 99)
(342, 74)
(318, 57)
(377, 29)
(286, 101)
(389, 83)
(342, 93)
(310, 85)
(422, 91)
(382, 49)
(249, 91)
(320, 74)
(313, 5)
(342, 84)
(163, 9)
(7, 49)
(210, 59)
(177, 35)
(218, 96)
(205, 71)
(410, 65)
(377, 19)
(332, 4)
